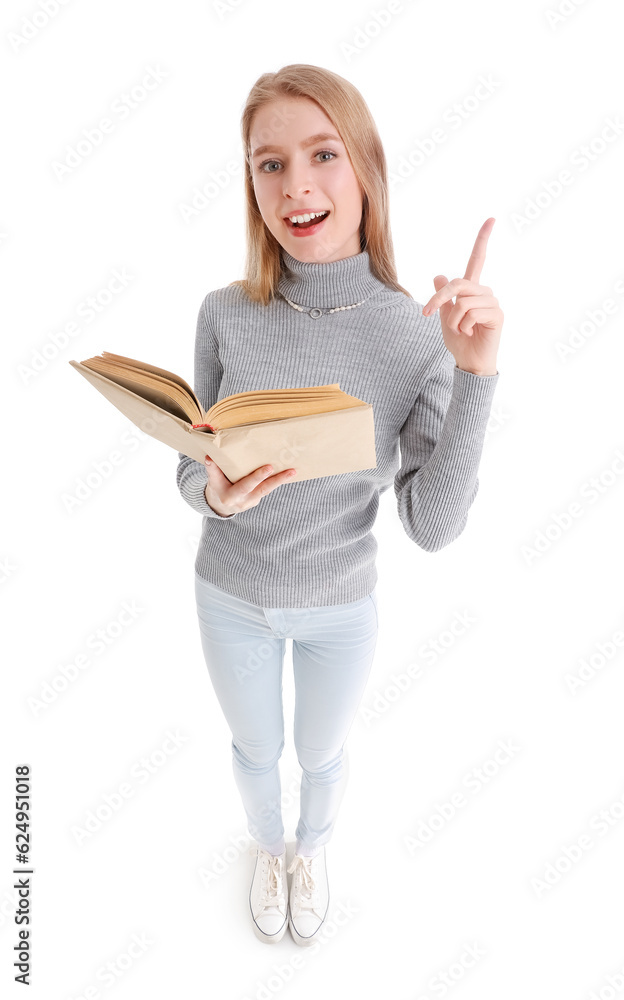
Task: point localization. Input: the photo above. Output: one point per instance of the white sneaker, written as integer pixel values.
(267, 896)
(309, 896)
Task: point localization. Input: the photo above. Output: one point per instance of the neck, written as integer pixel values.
(337, 283)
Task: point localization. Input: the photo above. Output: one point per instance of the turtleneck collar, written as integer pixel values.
(337, 283)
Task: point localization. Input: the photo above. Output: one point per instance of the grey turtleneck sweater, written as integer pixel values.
(310, 543)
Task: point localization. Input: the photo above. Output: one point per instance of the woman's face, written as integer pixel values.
(292, 175)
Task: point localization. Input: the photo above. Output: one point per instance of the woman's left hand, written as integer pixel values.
(472, 326)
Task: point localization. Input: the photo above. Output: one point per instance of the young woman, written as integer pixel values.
(321, 304)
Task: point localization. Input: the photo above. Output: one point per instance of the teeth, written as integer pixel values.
(306, 217)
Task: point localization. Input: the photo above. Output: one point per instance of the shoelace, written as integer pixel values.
(272, 890)
(303, 867)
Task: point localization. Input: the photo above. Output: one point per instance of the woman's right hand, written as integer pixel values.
(227, 498)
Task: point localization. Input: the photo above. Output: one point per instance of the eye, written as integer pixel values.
(321, 152)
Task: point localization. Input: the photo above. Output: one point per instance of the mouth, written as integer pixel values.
(306, 228)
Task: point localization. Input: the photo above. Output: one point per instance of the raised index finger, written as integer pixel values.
(477, 257)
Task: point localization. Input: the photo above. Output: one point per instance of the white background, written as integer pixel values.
(536, 612)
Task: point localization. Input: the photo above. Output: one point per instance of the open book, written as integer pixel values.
(317, 430)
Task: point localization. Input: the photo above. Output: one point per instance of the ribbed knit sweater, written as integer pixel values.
(310, 543)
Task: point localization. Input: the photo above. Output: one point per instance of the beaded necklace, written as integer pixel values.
(316, 312)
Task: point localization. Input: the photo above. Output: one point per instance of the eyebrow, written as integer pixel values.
(310, 141)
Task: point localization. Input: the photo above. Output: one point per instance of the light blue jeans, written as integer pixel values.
(332, 652)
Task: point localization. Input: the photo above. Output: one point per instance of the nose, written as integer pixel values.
(297, 191)
(296, 181)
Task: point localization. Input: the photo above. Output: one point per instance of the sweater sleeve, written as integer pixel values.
(441, 443)
(191, 476)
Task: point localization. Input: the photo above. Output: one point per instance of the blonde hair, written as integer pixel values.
(343, 104)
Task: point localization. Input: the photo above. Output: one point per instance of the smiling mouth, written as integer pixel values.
(306, 225)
